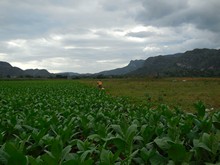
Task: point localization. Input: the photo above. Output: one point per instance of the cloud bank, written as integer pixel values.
(91, 36)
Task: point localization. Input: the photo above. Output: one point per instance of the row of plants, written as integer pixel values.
(65, 122)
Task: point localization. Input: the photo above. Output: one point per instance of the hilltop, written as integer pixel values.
(193, 63)
(6, 70)
(197, 62)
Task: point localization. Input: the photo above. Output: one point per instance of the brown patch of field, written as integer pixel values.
(174, 92)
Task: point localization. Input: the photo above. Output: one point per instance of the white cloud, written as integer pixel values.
(3, 56)
(18, 43)
(92, 36)
(108, 61)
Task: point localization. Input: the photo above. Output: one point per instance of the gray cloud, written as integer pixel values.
(91, 36)
(141, 34)
(203, 14)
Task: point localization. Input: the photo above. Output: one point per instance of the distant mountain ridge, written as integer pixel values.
(133, 65)
(193, 63)
(37, 73)
(6, 70)
(197, 62)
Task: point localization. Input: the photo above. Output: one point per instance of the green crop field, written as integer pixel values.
(174, 92)
(64, 122)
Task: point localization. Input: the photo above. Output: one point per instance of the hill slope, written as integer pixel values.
(198, 62)
(6, 70)
(37, 73)
(133, 65)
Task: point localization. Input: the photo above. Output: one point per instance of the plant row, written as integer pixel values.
(65, 122)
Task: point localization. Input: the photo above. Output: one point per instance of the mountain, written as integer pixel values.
(197, 62)
(6, 70)
(193, 63)
(37, 73)
(68, 74)
(133, 65)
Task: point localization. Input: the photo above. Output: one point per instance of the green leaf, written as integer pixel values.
(2, 134)
(117, 128)
(48, 158)
(65, 152)
(216, 121)
(177, 152)
(15, 156)
(138, 138)
(144, 154)
(200, 107)
(56, 148)
(211, 141)
(95, 137)
(87, 162)
(72, 162)
(131, 132)
(163, 143)
(106, 157)
(3, 157)
(158, 159)
(134, 153)
(34, 161)
(85, 154)
(206, 138)
(80, 145)
(120, 143)
(198, 144)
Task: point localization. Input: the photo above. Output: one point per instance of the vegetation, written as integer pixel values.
(174, 92)
(66, 122)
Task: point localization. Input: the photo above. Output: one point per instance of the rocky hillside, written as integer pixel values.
(198, 62)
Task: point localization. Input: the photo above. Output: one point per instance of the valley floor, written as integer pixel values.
(174, 92)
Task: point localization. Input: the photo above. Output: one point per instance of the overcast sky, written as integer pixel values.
(88, 36)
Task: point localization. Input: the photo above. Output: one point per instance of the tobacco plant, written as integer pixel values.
(65, 122)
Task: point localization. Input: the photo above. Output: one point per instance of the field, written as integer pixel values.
(174, 92)
(65, 122)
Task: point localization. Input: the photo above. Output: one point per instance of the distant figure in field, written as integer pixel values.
(99, 84)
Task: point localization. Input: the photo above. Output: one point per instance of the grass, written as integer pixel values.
(174, 92)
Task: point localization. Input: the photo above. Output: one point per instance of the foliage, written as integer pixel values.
(65, 122)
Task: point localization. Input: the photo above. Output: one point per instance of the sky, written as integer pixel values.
(89, 36)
